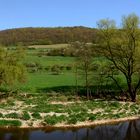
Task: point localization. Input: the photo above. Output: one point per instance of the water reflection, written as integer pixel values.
(121, 131)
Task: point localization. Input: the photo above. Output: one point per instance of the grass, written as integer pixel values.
(50, 110)
(40, 86)
(52, 120)
(25, 116)
(10, 123)
(12, 115)
(38, 81)
(50, 60)
(43, 79)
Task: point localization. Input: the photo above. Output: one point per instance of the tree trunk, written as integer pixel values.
(131, 92)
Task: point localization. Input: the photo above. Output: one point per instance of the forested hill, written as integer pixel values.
(34, 36)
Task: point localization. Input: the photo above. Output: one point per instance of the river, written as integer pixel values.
(129, 130)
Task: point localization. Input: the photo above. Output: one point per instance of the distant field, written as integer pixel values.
(44, 78)
(41, 81)
(50, 60)
(54, 46)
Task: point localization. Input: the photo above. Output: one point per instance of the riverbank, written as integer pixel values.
(76, 126)
(60, 111)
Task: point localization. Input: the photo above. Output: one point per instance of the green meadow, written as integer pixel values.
(42, 78)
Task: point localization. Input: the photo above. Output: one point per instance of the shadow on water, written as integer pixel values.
(122, 131)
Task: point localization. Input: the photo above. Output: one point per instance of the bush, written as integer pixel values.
(47, 68)
(12, 115)
(10, 123)
(62, 67)
(1, 115)
(55, 69)
(92, 117)
(33, 66)
(72, 119)
(36, 115)
(52, 120)
(30, 64)
(25, 116)
(69, 67)
(75, 117)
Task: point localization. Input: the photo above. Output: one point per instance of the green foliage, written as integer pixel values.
(25, 116)
(52, 120)
(11, 67)
(1, 115)
(121, 48)
(114, 104)
(36, 115)
(72, 120)
(55, 69)
(10, 123)
(92, 117)
(12, 115)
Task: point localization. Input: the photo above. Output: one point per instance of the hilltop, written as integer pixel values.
(46, 36)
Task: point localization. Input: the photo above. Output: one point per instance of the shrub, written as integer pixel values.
(72, 119)
(69, 67)
(62, 67)
(30, 64)
(36, 115)
(12, 115)
(10, 123)
(92, 117)
(25, 116)
(1, 115)
(52, 120)
(55, 69)
(47, 68)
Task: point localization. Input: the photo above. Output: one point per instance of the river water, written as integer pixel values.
(121, 131)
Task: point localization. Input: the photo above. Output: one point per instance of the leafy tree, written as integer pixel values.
(84, 65)
(11, 68)
(121, 47)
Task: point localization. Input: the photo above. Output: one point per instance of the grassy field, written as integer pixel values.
(42, 79)
(29, 110)
(40, 76)
(32, 106)
(50, 60)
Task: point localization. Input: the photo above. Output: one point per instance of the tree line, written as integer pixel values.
(45, 36)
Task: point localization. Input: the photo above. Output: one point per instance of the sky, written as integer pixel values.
(54, 13)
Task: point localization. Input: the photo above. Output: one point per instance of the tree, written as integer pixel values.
(11, 68)
(84, 64)
(121, 47)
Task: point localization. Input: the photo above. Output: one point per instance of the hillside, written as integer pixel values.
(44, 36)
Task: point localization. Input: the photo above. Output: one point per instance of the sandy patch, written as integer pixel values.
(57, 114)
(98, 110)
(62, 103)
